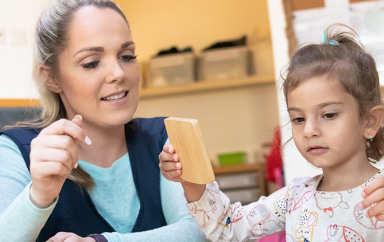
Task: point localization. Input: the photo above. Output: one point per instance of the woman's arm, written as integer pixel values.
(181, 227)
(20, 219)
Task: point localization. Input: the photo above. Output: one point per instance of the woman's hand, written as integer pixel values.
(69, 237)
(53, 156)
(170, 165)
(373, 196)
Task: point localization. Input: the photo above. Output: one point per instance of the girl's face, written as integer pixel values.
(98, 72)
(326, 126)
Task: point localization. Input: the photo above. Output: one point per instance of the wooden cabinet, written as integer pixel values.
(242, 183)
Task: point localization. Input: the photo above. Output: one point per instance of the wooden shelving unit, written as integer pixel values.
(206, 86)
(243, 170)
(201, 86)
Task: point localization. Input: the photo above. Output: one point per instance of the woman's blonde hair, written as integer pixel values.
(51, 38)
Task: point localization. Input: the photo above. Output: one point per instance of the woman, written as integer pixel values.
(92, 168)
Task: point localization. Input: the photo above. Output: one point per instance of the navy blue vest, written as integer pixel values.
(75, 211)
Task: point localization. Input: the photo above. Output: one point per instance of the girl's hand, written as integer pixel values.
(373, 196)
(69, 237)
(170, 165)
(53, 156)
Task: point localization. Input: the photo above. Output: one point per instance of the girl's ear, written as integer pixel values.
(49, 81)
(374, 121)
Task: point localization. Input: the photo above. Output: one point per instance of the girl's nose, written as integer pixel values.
(311, 128)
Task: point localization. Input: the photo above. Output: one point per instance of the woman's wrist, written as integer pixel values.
(98, 237)
(39, 203)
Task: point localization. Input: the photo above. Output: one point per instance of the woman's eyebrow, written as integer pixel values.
(93, 48)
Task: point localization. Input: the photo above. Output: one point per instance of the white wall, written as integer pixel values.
(17, 20)
(294, 164)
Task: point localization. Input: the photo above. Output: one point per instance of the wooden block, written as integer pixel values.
(186, 137)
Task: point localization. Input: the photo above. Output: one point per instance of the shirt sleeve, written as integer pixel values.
(20, 219)
(181, 226)
(222, 221)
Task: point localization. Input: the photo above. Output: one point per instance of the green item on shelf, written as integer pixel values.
(234, 158)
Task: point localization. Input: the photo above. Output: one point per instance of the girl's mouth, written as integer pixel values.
(114, 97)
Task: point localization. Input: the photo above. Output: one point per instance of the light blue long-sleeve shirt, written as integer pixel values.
(21, 220)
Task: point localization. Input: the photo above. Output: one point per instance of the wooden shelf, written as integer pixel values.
(169, 90)
(258, 167)
(206, 86)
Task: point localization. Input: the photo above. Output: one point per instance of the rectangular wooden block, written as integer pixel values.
(186, 137)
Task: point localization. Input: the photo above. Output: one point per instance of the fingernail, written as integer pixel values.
(361, 206)
(88, 141)
(76, 165)
(363, 194)
(79, 117)
(178, 165)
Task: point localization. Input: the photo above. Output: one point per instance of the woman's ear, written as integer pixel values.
(49, 81)
(374, 121)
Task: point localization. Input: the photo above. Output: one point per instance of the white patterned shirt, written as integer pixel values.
(305, 213)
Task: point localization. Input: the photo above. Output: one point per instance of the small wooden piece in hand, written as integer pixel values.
(186, 138)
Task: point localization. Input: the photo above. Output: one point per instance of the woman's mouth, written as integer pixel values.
(114, 97)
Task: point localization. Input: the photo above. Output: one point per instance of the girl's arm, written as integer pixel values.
(20, 219)
(213, 212)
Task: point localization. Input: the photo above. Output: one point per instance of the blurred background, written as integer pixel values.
(217, 61)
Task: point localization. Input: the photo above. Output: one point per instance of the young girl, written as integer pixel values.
(333, 99)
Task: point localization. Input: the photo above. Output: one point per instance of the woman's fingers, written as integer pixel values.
(67, 127)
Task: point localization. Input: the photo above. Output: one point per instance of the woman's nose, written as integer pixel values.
(115, 72)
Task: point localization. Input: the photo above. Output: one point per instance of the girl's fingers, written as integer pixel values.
(373, 186)
(376, 210)
(169, 148)
(373, 193)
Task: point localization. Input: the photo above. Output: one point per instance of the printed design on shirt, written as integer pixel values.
(280, 205)
(342, 233)
(369, 223)
(298, 195)
(380, 173)
(225, 217)
(328, 201)
(237, 212)
(304, 226)
(211, 193)
(261, 220)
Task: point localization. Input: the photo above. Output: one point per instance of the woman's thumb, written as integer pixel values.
(78, 119)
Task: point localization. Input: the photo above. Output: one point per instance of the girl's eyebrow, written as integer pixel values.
(321, 105)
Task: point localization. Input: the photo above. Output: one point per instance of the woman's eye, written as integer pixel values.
(128, 58)
(90, 65)
(330, 115)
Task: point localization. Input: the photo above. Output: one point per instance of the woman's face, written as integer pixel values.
(98, 75)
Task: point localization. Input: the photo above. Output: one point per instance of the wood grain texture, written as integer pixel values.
(186, 137)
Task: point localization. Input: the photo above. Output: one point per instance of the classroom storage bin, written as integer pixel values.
(234, 158)
(174, 69)
(224, 63)
(238, 180)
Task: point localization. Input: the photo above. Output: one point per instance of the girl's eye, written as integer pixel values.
(298, 120)
(330, 115)
(91, 65)
(128, 58)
